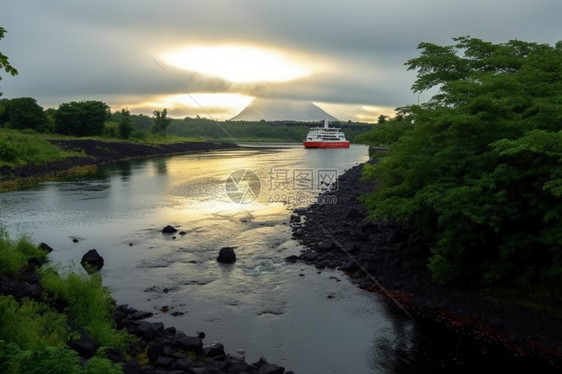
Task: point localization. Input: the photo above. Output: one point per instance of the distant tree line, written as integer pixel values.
(288, 131)
(78, 118)
(94, 118)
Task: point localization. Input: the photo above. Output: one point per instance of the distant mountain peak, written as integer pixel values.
(282, 110)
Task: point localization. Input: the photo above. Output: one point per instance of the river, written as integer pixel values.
(294, 315)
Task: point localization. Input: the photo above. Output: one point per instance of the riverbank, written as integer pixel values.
(70, 323)
(387, 258)
(96, 153)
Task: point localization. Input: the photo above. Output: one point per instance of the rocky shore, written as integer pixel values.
(386, 257)
(100, 153)
(157, 349)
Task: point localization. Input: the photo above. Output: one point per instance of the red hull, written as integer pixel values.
(326, 144)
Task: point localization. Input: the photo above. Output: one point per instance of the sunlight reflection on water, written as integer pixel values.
(294, 315)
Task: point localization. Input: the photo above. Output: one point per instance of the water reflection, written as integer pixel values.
(160, 165)
(125, 171)
(394, 355)
(308, 320)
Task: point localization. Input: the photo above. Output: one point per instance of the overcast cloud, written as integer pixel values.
(70, 50)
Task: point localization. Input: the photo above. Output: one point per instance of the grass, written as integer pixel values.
(32, 325)
(19, 148)
(88, 304)
(34, 333)
(141, 137)
(22, 147)
(14, 254)
(153, 139)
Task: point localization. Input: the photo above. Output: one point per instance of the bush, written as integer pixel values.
(101, 365)
(52, 360)
(110, 129)
(87, 303)
(477, 169)
(138, 135)
(34, 333)
(8, 153)
(32, 325)
(14, 255)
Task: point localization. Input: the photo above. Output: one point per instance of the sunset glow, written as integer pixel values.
(219, 106)
(239, 64)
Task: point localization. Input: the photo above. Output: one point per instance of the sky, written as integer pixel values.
(211, 58)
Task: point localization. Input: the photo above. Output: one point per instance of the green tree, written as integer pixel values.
(68, 119)
(25, 113)
(4, 112)
(142, 122)
(478, 169)
(84, 118)
(125, 124)
(4, 63)
(94, 115)
(161, 122)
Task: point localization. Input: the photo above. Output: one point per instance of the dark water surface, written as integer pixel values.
(292, 314)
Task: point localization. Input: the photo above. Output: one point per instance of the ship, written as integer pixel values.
(325, 137)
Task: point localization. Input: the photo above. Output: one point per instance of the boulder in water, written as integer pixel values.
(227, 255)
(92, 261)
(169, 230)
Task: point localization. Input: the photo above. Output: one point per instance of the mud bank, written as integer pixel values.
(101, 153)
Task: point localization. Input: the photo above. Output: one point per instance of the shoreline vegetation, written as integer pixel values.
(456, 219)
(477, 169)
(42, 157)
(475, 328)
(65, 322)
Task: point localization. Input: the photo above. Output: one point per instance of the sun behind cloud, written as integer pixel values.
(216, 106)
(239, 63)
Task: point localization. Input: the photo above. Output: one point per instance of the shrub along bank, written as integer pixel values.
(43, 312)
(477, 170)
(56, 321)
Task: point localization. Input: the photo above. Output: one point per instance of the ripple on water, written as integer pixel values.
(263, 265)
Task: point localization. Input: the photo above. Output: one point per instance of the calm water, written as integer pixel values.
(292, 314)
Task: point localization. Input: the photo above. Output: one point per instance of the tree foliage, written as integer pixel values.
(125, 124)
(4, 63)
(478, 169)
(84, 118)
(161, 122)
(25, 113)
(278, 131)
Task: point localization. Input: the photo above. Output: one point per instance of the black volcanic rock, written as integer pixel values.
(169, 230)
(46, 247)
(86, 346)
(92, 261)
(227, 255)
(388, 258)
